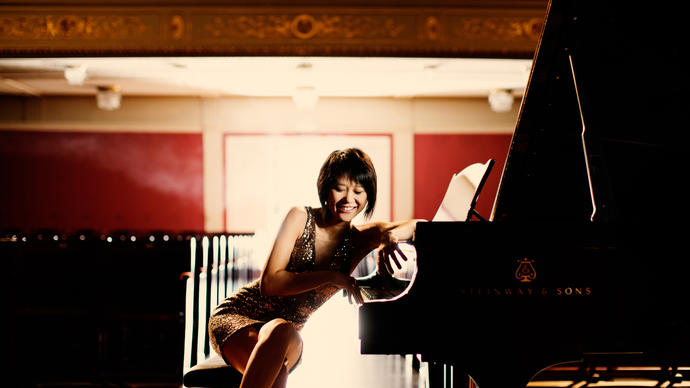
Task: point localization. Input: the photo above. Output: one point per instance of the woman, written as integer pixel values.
(316, 249)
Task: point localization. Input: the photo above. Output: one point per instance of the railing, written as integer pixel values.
(219, 265)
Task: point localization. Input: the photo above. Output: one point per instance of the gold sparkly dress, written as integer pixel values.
(247, 307)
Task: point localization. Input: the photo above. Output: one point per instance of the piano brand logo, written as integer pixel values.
(525, 271)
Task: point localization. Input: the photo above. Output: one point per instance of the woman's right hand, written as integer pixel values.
(349, 286)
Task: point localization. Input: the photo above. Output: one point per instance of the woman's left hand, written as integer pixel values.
(353, 292)
(349, 286)
(389, 253)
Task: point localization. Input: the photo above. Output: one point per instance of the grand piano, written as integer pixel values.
(582, 261)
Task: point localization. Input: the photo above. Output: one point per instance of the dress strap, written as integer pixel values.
(309, 227)
(302, 256)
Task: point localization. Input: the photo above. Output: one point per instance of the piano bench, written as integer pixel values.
(212, 373)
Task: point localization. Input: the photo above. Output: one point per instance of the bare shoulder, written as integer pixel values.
(298, 212)
(294, 221)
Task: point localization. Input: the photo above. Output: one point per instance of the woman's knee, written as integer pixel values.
(280, 330)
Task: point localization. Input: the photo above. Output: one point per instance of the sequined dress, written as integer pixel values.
(248, 307)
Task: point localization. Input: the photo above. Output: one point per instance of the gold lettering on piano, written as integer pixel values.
(575, 291)
(525, 271)
(527, 291)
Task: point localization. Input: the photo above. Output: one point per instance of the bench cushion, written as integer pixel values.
(212, 373)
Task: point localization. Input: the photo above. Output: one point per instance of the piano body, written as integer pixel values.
(583, 258)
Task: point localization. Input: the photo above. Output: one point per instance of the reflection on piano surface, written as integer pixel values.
(579, 264)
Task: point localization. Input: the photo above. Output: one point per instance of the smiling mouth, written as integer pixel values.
(346, 209)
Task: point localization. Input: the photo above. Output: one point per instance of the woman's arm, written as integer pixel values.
(381, 234)
(276, 280)
(399, 231)
(385, 237)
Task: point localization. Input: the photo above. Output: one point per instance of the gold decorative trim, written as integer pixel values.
(306, 26)
(432, 28)
(497, 28)
(177, 27)
(219, 30)
(71, 27)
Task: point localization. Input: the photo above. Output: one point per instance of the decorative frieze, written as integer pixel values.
(269, 31)
(308, 26)
(71, 26)
(497, 28)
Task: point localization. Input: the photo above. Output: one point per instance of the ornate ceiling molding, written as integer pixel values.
(317, 31)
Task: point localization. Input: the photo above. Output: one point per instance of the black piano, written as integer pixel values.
(583, 261)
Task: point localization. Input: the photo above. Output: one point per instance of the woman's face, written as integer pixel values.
(346, 199)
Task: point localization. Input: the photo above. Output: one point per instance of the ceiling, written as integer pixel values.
(268, 76)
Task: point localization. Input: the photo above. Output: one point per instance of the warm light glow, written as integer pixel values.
(501, 100)
(203, 278)
(108, 97)
(549, 383)
(75, 74)
(222, 287)
(283, 174)
(189, 309)
(580, 384)
(625, 382)
(279, 76)
(331, 354)
(214, 272)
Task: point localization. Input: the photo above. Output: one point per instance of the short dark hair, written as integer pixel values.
(354, 164)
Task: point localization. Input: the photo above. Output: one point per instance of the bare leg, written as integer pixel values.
(264, 356)
(278, 348)
(281, 380)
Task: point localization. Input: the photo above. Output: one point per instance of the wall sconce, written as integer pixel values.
(108, 97)
(75, 75)
(501, 100)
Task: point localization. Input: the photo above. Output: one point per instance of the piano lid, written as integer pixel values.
(598, 134)
(613, 68)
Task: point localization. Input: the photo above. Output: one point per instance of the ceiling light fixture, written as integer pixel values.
(75, 74)
(108, 97)
(501, 100)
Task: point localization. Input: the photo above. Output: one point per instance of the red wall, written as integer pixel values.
(153, 181)
(438, 157)
(101, 181)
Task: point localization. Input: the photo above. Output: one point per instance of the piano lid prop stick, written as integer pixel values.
(584, 142)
